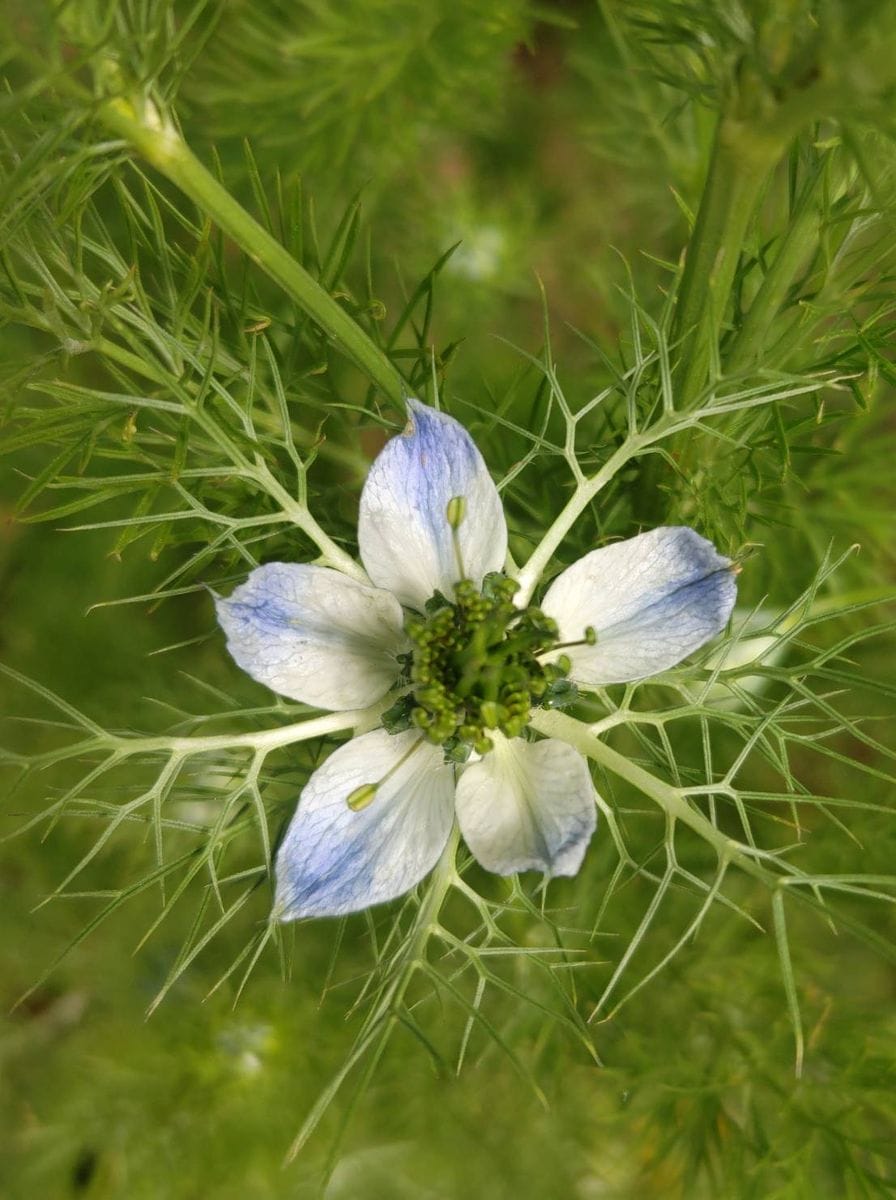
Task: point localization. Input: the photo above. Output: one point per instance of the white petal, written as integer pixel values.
(403, 531)
(314, 634)
(334, 860)
(652, 600)
(527, 806)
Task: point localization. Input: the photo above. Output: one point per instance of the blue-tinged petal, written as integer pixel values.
(335, 859)
(314, 634)
(527, 806)
(652, 600)
(403, 532)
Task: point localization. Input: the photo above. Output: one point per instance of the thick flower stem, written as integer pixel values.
(797, 245)
(669, 798)
(742, 157)
(162, 146)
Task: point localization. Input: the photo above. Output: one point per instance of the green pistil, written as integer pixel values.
(475, 666)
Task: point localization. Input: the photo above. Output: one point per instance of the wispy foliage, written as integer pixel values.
(179, 381)
(319, 95)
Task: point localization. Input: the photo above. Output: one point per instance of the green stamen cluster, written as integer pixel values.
(475, 665)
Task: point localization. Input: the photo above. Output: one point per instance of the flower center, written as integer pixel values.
(475, 667)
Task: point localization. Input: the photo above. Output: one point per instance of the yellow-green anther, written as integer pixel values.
(590, 635)
(491, 715)
(456, 511)
(361, 796)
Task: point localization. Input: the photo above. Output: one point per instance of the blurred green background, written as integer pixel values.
(527, 134)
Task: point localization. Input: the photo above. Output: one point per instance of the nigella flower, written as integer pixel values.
(437, 623)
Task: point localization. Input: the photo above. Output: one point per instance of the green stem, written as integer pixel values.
(741, 160)
(163, 147)
(800, 241)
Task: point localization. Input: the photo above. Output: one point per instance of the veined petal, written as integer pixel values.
(652, 601)
(527, 806)
(314, 634)
(405, 540)
(336, 860)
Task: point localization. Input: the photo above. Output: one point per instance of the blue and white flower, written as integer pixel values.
(437, 627)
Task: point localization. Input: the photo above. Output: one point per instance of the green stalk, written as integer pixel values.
(742, 157)
(163, 147)
(800, 241)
